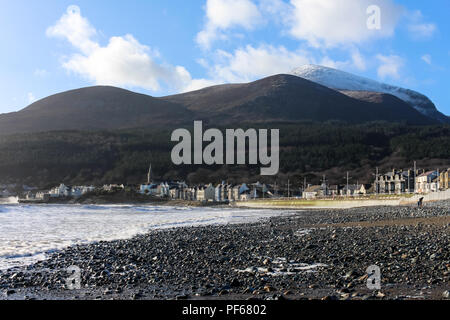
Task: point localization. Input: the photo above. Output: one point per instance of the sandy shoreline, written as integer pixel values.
(320, 254)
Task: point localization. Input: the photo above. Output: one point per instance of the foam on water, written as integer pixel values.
(29, 232)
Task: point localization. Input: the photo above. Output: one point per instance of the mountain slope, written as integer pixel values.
(93, 108)
(290, 98)
(280, 98)
(341, 80)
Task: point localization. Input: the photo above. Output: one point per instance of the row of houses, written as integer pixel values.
(61, 191)
(420, 181)
(222, 192)
(323, 191)
(393, 182)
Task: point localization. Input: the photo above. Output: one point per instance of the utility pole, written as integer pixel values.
(348, 178)
(289, 194)
(304, 186)
(377, 184)
(415, 173)
(438, 178)
(409, 178)
(324, 185)
(348, 182)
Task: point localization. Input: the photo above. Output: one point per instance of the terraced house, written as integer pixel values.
(444, 180)
(395, 182)
(427, 182)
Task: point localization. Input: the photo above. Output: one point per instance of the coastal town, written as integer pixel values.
(395, 182)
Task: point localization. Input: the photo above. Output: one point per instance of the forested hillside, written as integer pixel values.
(307, 150)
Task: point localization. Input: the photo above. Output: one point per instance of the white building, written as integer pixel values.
(60, 191)
(312, 192)
(427, 182)
(163, 190)
(64, 191)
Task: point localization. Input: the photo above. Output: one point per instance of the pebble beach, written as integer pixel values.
(317, 254)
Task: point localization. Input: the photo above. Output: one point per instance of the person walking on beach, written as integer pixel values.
(420, 203)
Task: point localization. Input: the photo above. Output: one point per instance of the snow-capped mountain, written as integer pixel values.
(344, 81)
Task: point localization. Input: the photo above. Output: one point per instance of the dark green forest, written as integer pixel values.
(307, 150)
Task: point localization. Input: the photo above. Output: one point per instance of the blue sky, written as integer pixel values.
(164, 47)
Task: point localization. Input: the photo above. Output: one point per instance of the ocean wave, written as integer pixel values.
(27, 232)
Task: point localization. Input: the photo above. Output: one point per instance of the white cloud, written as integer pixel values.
(427, 59)
(197, 84)
(423, 30)
(31, 97)
(122, 62)
(76, 29)
(278, 10)
(358, 60)
(390, 66)
(325, 23)
(250, 63)
(222, 15)
(418, 28)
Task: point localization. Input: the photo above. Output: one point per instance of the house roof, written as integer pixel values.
(426, 174)
(352, 187)
(313, 189)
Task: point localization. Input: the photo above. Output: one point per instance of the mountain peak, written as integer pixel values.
(344, 81)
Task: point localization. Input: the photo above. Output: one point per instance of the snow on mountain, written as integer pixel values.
(340, 80)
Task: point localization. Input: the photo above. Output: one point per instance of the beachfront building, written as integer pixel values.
(444, 180)
(427, 182)
(149, 189)
(244, 192)
(210, 193)
(334, 190)
(220, 193)
(261, 190)
(233, 193)
(355, 190)
(174, 192)
(163, 190)
(350, 190)
(65, 191)
(200, 193)
(190, 194)
(312, 192)
(59, 191)
(43, 196)
(365, 189)
(395, 182)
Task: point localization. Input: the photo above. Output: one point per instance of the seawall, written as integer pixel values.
(342, 203)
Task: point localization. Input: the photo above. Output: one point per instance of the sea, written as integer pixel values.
(29, 233)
